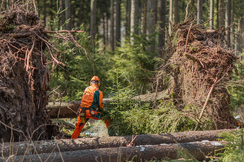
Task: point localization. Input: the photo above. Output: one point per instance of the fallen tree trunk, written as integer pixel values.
(66, 109)
(194, 150)
(39, 147)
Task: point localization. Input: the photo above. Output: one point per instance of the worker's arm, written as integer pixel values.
(101, 100)
(98, 100)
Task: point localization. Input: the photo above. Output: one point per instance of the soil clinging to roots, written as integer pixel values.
(200, 68)
(24, 76)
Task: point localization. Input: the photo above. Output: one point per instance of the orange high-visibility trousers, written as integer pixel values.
(89, 114)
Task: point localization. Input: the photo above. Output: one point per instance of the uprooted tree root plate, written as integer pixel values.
(200, 68)
(24, 76)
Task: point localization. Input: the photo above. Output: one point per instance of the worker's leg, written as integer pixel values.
(107, 122)
(93, 114)
(80, 123)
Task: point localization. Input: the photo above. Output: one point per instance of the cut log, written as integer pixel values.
(40, 147)
(194, 150)
(67, 109)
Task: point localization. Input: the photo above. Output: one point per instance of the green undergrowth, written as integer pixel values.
(131, 116)
(234, 150)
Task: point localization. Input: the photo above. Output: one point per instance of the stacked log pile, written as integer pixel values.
(196, 145)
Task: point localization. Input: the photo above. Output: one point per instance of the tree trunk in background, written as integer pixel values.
(112, 25)
(221, 13)
(144, 21)
(73, 15)
(239, 38)
(38, 7)
(61, 20)
(50, 11)
(176, 12)
(151, 21)
(118, 22)
(211, 23)
(93, 21)
(217, 7)
(232, 39)
(170, 15)
(236, 42)
(161, 34)
(81, 8)
(127, 17)
(45, 12)
(199, 11)
(134, 16)
(227, 21)
(67, 15)
(104, 32)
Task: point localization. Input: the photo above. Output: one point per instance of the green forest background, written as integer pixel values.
(124, 42)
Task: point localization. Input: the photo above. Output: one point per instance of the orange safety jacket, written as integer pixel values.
(92, 97)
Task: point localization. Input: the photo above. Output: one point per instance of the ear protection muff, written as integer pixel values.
(98, 83)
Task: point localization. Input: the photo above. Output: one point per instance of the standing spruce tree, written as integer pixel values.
(67, 14)
(151, 22)
(211, 23)
(93, 21)
(134, 16)
(221, 13)
(228, 21)
(170, 15)
(127, 17)
(118, 22)
(161, 34)
(199, 11)
(112, 25)
(176, 12)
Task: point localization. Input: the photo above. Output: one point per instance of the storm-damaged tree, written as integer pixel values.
(24, 76)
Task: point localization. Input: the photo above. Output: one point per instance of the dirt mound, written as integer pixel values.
(200, 68)
(24, 76)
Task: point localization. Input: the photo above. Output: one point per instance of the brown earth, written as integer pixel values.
(198, 70)
(24, 76)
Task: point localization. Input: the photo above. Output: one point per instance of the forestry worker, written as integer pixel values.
(91, 106)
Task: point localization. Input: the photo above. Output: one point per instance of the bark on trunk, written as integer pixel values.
(112, 25)
(137, 153)
(221, 13)
(161, 35)
(118, 22)
(199, 11)
(93, 21)
(151, 22)
(67, 14)
(45, 12)
(61, 20)
(106, 142)
(211, 23)
(170, 15)
(134, 17)
(228, 21)
(127, 21)
(176, 12)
